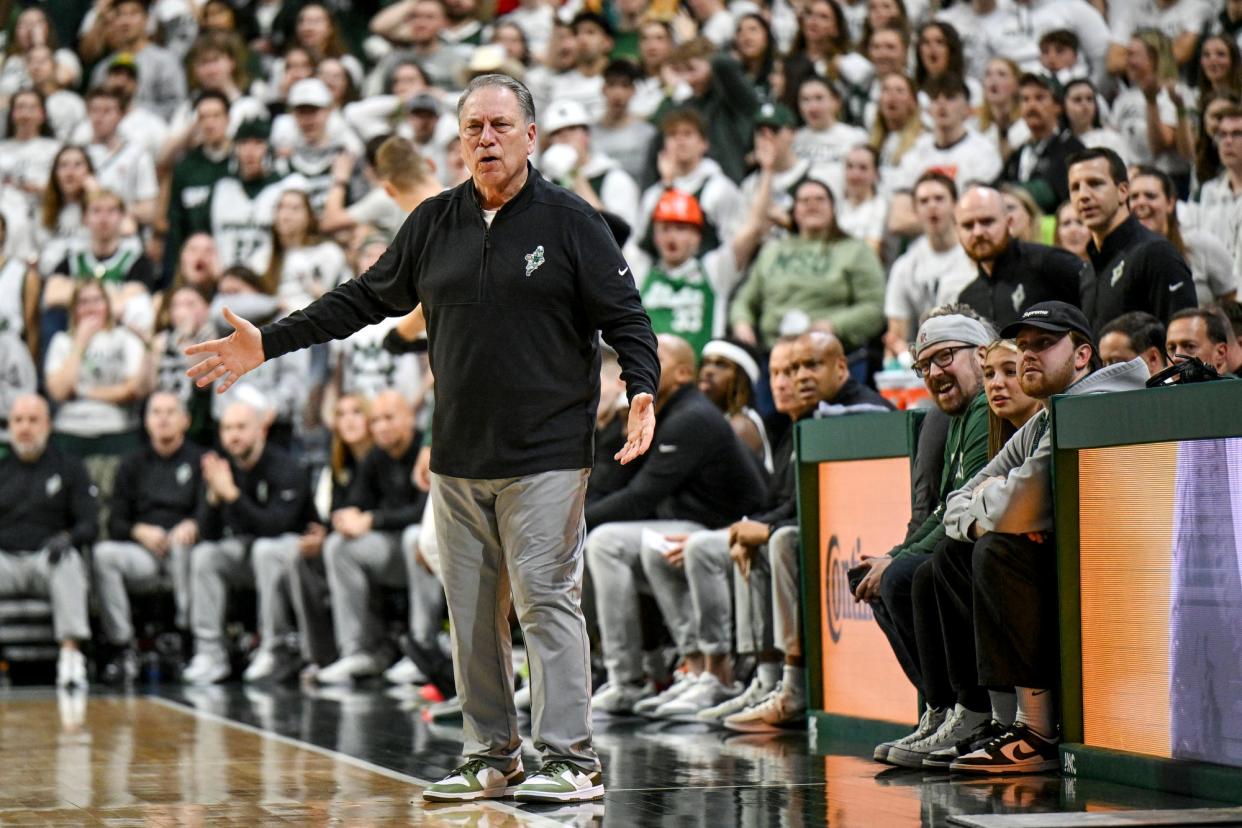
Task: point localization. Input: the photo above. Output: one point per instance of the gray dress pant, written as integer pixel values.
(31, 574)
(614, 553)
(518, 541)
(122, 567)
(724, 601)
(784, 549)
(217, 565)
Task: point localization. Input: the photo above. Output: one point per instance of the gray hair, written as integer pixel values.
(519, 90)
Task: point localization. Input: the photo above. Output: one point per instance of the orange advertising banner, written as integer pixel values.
(864, 506)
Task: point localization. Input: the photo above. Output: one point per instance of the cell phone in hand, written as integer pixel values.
(855, 575)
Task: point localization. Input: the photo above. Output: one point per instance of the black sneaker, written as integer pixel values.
(122, 669)
(941, 759)
(1018, 750)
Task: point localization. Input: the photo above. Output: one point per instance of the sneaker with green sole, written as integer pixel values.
(475, 780)
(560, 781)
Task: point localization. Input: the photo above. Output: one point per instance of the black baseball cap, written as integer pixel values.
(1058, 317)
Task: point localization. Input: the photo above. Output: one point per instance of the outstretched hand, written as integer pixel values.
(228, 358)
(640, 429)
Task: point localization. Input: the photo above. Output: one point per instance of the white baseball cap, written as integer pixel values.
(310, 92)
(563, 114)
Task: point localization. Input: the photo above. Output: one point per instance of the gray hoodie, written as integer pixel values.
(1022, 501)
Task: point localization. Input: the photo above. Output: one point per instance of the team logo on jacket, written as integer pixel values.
(534, 260)
(53, 485)
(1118, 272)
(260, 492)
(183, 474)
(1018, 297)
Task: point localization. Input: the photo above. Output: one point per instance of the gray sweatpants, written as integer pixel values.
(783, 555)
(518, 541)
(615, 556)
(217, 565)
(125, 566)
(31, 574)
(723, 601)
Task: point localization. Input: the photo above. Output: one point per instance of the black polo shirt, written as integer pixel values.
(1024, 274)
(1138, 270)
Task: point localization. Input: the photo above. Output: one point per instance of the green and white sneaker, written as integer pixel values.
(559, 781)
(475, 780)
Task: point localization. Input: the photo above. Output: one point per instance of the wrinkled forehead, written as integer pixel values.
(490, 103)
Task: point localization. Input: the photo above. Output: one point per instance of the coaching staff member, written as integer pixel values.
(515, 276)
(1134, 269)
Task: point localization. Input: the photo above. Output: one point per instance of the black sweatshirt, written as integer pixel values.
(512, 318)
(1024, 274)
(384, 487)
(697, 469)
(162, 491)
(780, 507)
(39, 500)
(272, 502)
(1138, 269)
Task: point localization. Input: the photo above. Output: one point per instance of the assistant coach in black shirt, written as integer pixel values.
(48, 513)
(516, 276)
(151, 527)
(1135, 269)
(1013, 274)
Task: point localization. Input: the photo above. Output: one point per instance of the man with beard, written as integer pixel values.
(48, 511)
(1135, 268)
(948, 354)
(1013, 274)
(996, 572)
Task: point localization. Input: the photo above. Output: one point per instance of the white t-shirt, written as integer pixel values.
(1129, 117)
(309, 272)
(972, 159)
(28, 163)
(863, 221)
(1210, 265)
(378, 209)
(129, 171)
(1172, 21)
(827, 148)
(368, 369)
(112, 357)
(922, 278)
(1219, 214)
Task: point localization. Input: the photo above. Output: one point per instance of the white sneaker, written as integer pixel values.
(781, 709)
(405, 671)
(752, 695)
(617, 698)
(707, 691)
(475, 780)
(959, 725)
(929, 723)
(71, 669)
(559, 781)
(261, 666)
(206, 669)
(345, 670)
(682, 681)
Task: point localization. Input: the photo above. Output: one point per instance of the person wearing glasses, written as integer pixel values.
(995, 573)
(1013, 274)
(948, 353)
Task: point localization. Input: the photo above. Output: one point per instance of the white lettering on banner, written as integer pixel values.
(841, 604)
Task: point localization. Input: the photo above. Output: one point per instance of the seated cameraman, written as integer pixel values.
(1202, 333)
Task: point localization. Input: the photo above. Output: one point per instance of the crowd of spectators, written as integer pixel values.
(807, 192)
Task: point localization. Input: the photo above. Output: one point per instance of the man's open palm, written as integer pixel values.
(229, 358)
(639, 430)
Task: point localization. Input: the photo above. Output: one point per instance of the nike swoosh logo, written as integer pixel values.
(1021, 755)
(1173, 288)
(621, 271)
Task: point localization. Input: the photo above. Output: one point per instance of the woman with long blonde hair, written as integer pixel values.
(1009, 407)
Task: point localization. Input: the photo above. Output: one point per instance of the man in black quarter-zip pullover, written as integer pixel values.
(516, 276)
